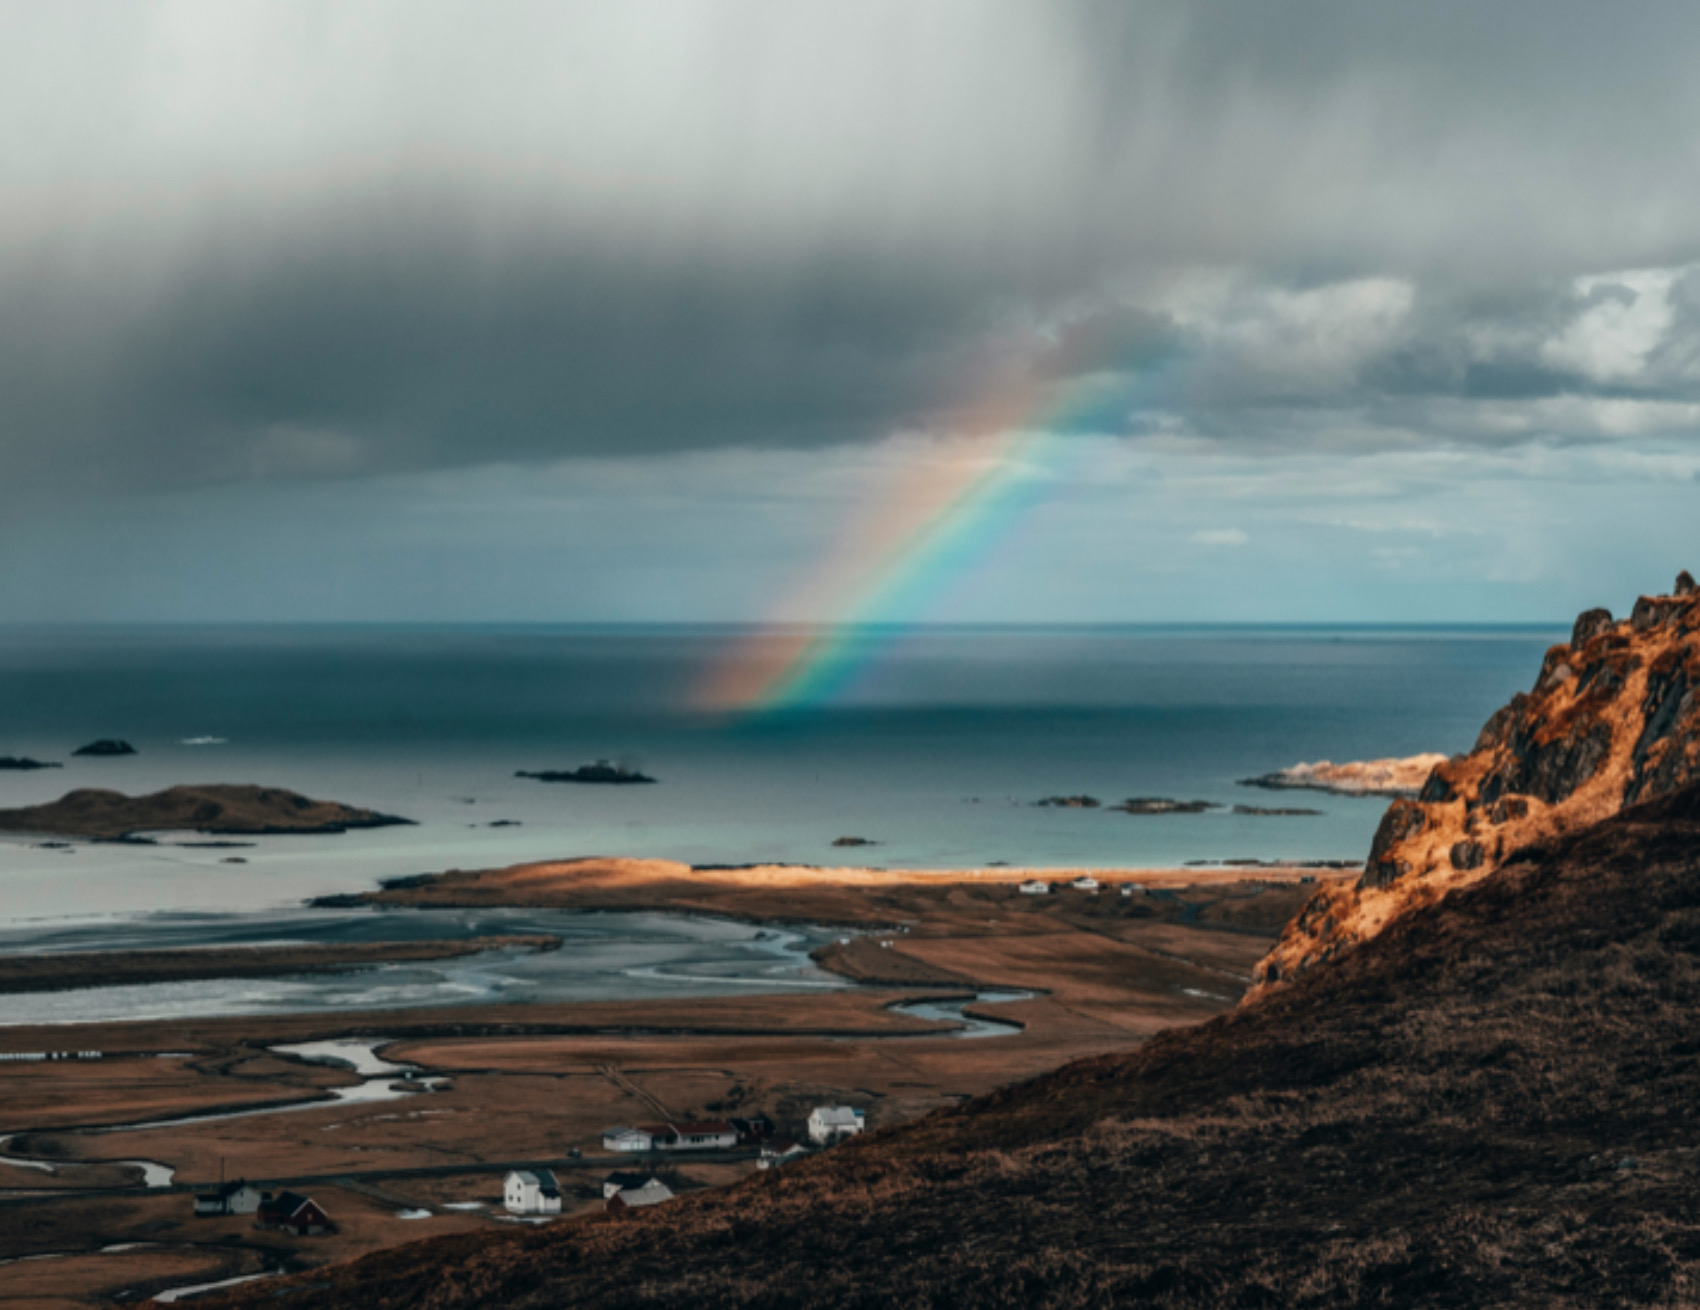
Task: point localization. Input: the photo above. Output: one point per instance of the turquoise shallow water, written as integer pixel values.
(937, 752)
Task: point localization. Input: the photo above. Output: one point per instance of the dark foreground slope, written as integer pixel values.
(1494, 1102)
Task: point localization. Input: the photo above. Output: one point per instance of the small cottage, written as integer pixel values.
(1133, 889)
(293, 1213)
(227, 1198)
(1033, 887)
(1085, 883)
(710, 1135)
(622, 1181)
(626, 1139)
(531, 1191)
(654, 1192)
(777, 1150)
(828, 1123)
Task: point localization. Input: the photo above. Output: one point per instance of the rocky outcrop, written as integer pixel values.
(106, 746)
(1612, 720)
(23, 764)
(602, 771)
(1391, 777)
(213, 808)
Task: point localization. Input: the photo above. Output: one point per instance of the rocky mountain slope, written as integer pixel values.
(1494, 1102)
(1613, 719)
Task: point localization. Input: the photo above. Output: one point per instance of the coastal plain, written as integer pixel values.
(1075, 972)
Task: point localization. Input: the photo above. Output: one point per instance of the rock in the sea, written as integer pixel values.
(1162, 805)
(1293, 810)
(23, 763)
(601, 771)
(106, 746)
(853, 841)
(111, 816)
(1070, 802)
(1389, 777)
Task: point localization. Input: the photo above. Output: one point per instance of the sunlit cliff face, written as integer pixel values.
(1613, 720)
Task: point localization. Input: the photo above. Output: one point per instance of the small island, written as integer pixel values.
(1389, 777)
(106, 746)
(601, 771)
(1163, 805)
(1275, 810)
(217, 810)
(1070, 802)
(23, 763)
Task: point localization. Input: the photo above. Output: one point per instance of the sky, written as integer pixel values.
(1304, 310)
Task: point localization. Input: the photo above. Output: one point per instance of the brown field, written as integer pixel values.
(528, 1084)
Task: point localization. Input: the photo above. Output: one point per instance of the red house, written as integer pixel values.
(293, 1213)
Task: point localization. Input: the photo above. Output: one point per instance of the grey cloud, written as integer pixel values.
(271, 241)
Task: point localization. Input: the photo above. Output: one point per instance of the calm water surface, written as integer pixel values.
(936, 753)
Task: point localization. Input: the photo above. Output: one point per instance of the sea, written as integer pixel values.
(935, 752)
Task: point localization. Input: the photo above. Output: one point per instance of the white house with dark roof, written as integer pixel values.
(828, 1123)
(1085, 883)
(239, 1197)
(531, 1191)
(1033, 887)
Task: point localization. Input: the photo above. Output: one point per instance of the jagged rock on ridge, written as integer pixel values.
(1613, 719)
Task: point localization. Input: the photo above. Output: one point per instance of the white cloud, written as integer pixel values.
(1220, 537)
(1612, 340)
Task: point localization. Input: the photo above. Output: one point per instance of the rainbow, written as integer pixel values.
(917, 533)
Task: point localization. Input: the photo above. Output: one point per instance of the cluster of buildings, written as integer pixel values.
(538, 1192)
(706, 1135)
(1085, 883)
(288, 1212)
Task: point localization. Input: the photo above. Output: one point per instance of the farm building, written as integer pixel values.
(239, 1197)
(626, 1139)
(778, 1150)
(293, 1213)
(828, 1123)
(654, 1192)
(624, 1181)
(531, 1191)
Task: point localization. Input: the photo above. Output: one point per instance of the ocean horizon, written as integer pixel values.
(935, 746)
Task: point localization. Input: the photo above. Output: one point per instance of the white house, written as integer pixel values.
(1033, 887)
(654, 1192)
(1133, 889)
(777, 1150)
(1085, 883)
(626, 1139)
(528, 1191)
(828, 1123)
(228, 1198)
(711, 1135)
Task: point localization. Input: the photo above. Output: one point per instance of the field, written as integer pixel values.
(532, 1085)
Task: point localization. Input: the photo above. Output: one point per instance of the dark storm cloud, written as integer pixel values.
(275, 241)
